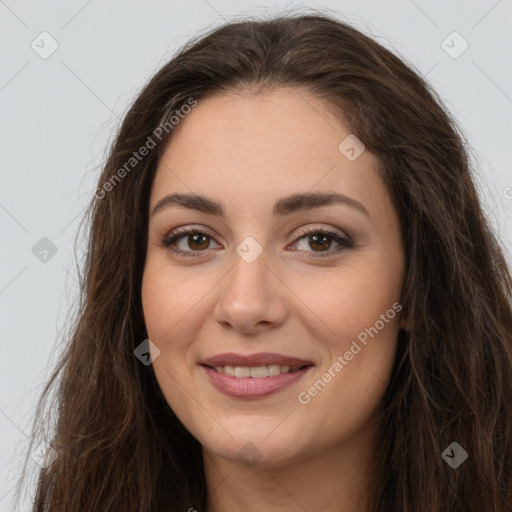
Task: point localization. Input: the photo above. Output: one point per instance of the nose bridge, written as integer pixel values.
(249, 275)
(249, 294)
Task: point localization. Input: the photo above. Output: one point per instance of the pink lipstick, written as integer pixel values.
(254, 376)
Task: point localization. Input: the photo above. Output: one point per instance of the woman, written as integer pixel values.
(291, 298)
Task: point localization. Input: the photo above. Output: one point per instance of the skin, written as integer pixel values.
(247, 151)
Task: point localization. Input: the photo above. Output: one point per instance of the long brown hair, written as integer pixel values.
(121, 448)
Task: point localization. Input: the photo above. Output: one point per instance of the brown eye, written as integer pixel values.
(193, 242)
(320, 241)
(198, 241)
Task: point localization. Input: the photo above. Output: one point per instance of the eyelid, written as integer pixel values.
(180, 232)
(343, 240)
(186, 228)
(315, 228)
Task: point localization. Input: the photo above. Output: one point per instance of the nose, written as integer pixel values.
(251, 297)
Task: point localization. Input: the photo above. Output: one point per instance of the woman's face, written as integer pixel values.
(274, 273)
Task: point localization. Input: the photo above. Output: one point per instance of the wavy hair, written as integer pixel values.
(121, 448)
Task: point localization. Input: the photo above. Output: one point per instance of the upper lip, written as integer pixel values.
(261, 359)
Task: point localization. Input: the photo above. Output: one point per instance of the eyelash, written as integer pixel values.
(345, 243)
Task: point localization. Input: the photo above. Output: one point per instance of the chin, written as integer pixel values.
(262, 454)
(254, 445)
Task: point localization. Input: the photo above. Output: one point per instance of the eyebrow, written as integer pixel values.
(283, 206)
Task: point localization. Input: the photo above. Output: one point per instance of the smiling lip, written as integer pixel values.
(263, 358)
(248, 387)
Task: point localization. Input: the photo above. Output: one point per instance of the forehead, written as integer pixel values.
(247, 146)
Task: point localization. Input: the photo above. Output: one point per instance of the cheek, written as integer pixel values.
(172, 301)
(165, 302)
(159, 305)
(175, 307)
(345, 301)
(170, 307)
(359, 312)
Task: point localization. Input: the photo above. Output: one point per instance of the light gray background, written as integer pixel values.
(58, 115)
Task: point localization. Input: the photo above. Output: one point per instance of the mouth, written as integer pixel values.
(255, 376)
(256, 372)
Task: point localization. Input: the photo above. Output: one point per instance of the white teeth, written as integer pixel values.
(228, 370)
(273, 369)
(256, 372)
(242, 371)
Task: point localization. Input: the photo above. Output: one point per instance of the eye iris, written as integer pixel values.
(195, 237)
(323, 244)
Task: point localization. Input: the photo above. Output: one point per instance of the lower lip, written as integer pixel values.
(248, 387)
